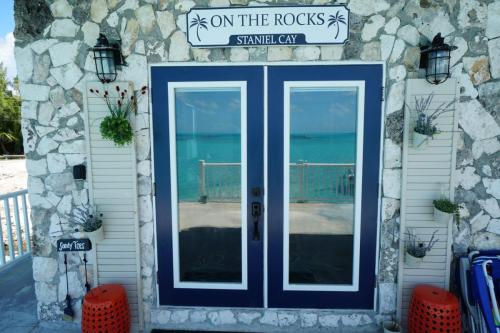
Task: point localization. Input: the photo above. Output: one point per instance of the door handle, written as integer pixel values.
(256, 209)
(256, 213)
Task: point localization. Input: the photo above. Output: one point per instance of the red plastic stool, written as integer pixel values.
(433, 310)
(105, 309)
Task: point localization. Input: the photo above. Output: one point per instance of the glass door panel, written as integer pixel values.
(210, 159)
(321, 121)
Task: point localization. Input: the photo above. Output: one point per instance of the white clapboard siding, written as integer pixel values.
(427, 175)
(113, 189)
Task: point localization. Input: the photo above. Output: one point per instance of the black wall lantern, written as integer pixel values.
(108, 58)
(435, 58)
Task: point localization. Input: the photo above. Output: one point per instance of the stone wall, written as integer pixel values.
(54, 62)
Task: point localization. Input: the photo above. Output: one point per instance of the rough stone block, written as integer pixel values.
(392, 183)
(332, 52)
(269, 318)
(494, 53)
(166, 22)
(492, 187)
(329, 320)
(46, 145)
(98, 10)
(145, 209)
(279, 53)
(396, 98)
(475, 121)
(371, 27)
(367, 7)
(146, 18)
(492, 23)
(179, 47)
(24, 61)
(67, 75)
(308, 319)
(34, 92)
(392, 25)
(248, 318)
(490, 205)
(36, 167)
(387, 297)
(63, 28)
(478, 69)
(60, 183)
(44, 269)
(42, 45)
(61, 8)
(74, 147)
(45, 293)
(286, 319)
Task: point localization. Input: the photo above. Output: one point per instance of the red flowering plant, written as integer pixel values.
(116, 126)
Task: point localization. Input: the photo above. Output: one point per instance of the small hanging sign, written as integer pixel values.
(269, 25)
(75, 244)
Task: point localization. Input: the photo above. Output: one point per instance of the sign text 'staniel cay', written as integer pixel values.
(278, 25)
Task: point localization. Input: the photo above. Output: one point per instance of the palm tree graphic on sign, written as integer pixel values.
(199, 23)
(335, 20)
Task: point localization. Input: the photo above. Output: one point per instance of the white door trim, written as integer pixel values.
(171, 87)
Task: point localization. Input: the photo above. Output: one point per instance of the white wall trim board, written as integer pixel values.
(116, 258)
(425, 177)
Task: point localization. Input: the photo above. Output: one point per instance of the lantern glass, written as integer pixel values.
(105, 56)
(436, 60)
(438, 65)
(105, 64)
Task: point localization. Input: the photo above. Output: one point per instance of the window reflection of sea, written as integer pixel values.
(224, 181)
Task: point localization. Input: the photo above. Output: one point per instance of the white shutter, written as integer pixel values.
(427, 175)
(113, 189)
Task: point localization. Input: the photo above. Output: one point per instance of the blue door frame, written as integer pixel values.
(254, 76)
(160, 77)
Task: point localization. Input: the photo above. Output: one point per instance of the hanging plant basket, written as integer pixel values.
(444, 210)
(441, 217)
(419, 140)
(96, 235)
(412, 261)
(391, 326)
(425, 126)
(416, 249)
(90, 221)
(116, 126)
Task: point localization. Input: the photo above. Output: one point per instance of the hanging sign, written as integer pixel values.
(270, 25)
(74, 244)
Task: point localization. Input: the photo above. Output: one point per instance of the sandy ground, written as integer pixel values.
(13, 176)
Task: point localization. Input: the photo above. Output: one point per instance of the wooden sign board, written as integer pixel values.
(75, 244)
(267, 25)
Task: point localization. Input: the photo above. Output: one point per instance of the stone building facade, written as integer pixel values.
(54, 63)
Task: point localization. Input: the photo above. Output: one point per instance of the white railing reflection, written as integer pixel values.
(309, 182)
(14, 226)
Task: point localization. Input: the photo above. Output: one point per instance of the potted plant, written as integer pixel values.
(116, 126)
(444, 209)
(391, 326)
(424, 126)
(90, 221)
(416, 249)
